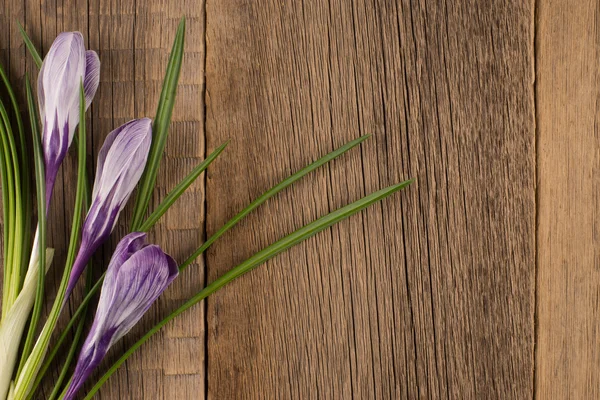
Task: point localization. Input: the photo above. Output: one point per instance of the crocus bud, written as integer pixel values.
(121, 162)
(66, 65)
(137, 274)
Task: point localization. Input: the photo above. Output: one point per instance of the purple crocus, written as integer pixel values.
(121, 162)
(66, 65)
(137, 274)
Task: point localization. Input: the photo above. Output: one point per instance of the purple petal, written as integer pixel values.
(41, 92)
(132, 287)
(92, 76)
(59, 79)
(121, 162)
(136, 276)
(66, 65)
(55, 150)
(127, 246)
(124, 152)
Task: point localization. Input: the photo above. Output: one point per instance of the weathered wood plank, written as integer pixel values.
(430, 294)
(133, 40)
(568, 88)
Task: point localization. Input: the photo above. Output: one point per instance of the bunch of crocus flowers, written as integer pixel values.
(138, 271)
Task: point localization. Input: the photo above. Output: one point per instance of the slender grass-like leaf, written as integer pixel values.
(41, 206)
(33, 364)
(11, 329)
(254, 261)
(79, 313)
(160, 128)
(10, 291)
(18, 228)
(72, 351)
(6, 218)
(29, 44)
(23, 163)
(179, 189)
(232, 222)
(270, 193)
(148, 224)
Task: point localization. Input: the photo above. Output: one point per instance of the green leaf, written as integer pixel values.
(7, 217)
(72, 351)
(32, 366)
(254, 261)
(23, 162)
(41, 206)
(81, 311)
(232, 222)
(29, 44)
(148, 224)
(12, 278)
(179, 189)
(270, 193)
(160, 128)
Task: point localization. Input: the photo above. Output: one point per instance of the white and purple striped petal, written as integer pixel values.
(92, 76)
(66, 65)
(137, 274)
(121, 162)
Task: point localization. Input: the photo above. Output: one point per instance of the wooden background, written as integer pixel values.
(479, 281)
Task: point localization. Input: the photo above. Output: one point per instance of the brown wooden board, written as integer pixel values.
(427, 295)
(478, 281)
(568, 348)
(133, 40)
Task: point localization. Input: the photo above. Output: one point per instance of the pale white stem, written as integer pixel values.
(11, 329)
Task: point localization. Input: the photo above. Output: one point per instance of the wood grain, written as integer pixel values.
(480, 281)
(568, 89)
(427, 295)
(133, 40)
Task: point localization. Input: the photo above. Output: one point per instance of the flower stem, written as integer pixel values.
(32, 366)
(40, 235)
(73, 349)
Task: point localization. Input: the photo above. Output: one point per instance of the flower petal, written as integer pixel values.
(132, 287)
(125, 152)
(121, 162)
(92, 76)
(127, 246)
(136, 276)
(62, 71)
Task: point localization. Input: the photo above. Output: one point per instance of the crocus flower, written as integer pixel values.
(66, 65)
(137, 274)
(121, 162)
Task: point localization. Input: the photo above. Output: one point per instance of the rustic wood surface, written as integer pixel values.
(479, 281)
(568, 295)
